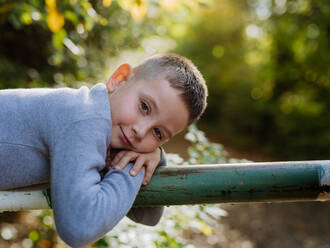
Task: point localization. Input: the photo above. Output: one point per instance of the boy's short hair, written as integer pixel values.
(182, 74)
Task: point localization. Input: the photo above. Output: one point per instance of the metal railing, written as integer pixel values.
(200, 184)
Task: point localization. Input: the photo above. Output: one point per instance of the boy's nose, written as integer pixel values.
(141, 130)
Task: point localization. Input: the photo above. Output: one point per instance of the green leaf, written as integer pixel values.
(58, 38)
(72, 17)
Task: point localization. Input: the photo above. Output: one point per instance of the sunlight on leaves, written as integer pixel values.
(106, 3)
(170, 4)
(126, 4)
(55, 19)
(138, 10)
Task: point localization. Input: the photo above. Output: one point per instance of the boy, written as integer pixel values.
(61, 136)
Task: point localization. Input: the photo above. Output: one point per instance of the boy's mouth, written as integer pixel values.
(124, 138)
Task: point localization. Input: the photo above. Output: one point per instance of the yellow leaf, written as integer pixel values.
(107, 3)
(55, 20)
(51, 4)
(103, 21)
(205, 229)
(138, 10)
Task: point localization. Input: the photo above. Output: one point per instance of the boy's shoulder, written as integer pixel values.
(83, 102)
(80, 114)
(67, 107)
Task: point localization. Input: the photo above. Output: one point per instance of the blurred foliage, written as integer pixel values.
(266, 61)
(202, 151)
(267, 67)
(50, 43)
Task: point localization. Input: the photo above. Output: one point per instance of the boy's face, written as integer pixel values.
(145, 114)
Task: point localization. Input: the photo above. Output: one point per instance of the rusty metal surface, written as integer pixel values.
(199, 184)
(249, 182)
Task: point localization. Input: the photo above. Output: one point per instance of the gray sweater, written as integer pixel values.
(59, 137)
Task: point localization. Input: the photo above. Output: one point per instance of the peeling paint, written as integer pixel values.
(325, 176)
(16, 201)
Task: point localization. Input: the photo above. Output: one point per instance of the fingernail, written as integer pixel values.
(132, 172)
(117, 167)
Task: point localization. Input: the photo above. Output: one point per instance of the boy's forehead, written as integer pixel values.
(161, 91)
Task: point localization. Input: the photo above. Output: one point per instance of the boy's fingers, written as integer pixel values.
(118, 156)
(125, 160)
(137, 166)
(149, 171)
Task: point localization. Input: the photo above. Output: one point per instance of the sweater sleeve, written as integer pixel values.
(146, 215)
(149, 215)
(86, 207)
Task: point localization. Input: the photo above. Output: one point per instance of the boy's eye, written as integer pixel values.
(158, 133)
(144, 107)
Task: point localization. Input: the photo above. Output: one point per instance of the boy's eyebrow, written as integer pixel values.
(155, 106)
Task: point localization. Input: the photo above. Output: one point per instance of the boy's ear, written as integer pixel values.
(119, 76)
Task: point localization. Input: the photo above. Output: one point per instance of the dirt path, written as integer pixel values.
(285, 225)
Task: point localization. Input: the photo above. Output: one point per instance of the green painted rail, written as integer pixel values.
(201, 184)
(249, 182)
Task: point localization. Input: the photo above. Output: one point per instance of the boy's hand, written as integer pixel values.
(148, 160)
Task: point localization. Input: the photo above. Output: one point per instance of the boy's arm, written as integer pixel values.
(86, 207)
(149, 215)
